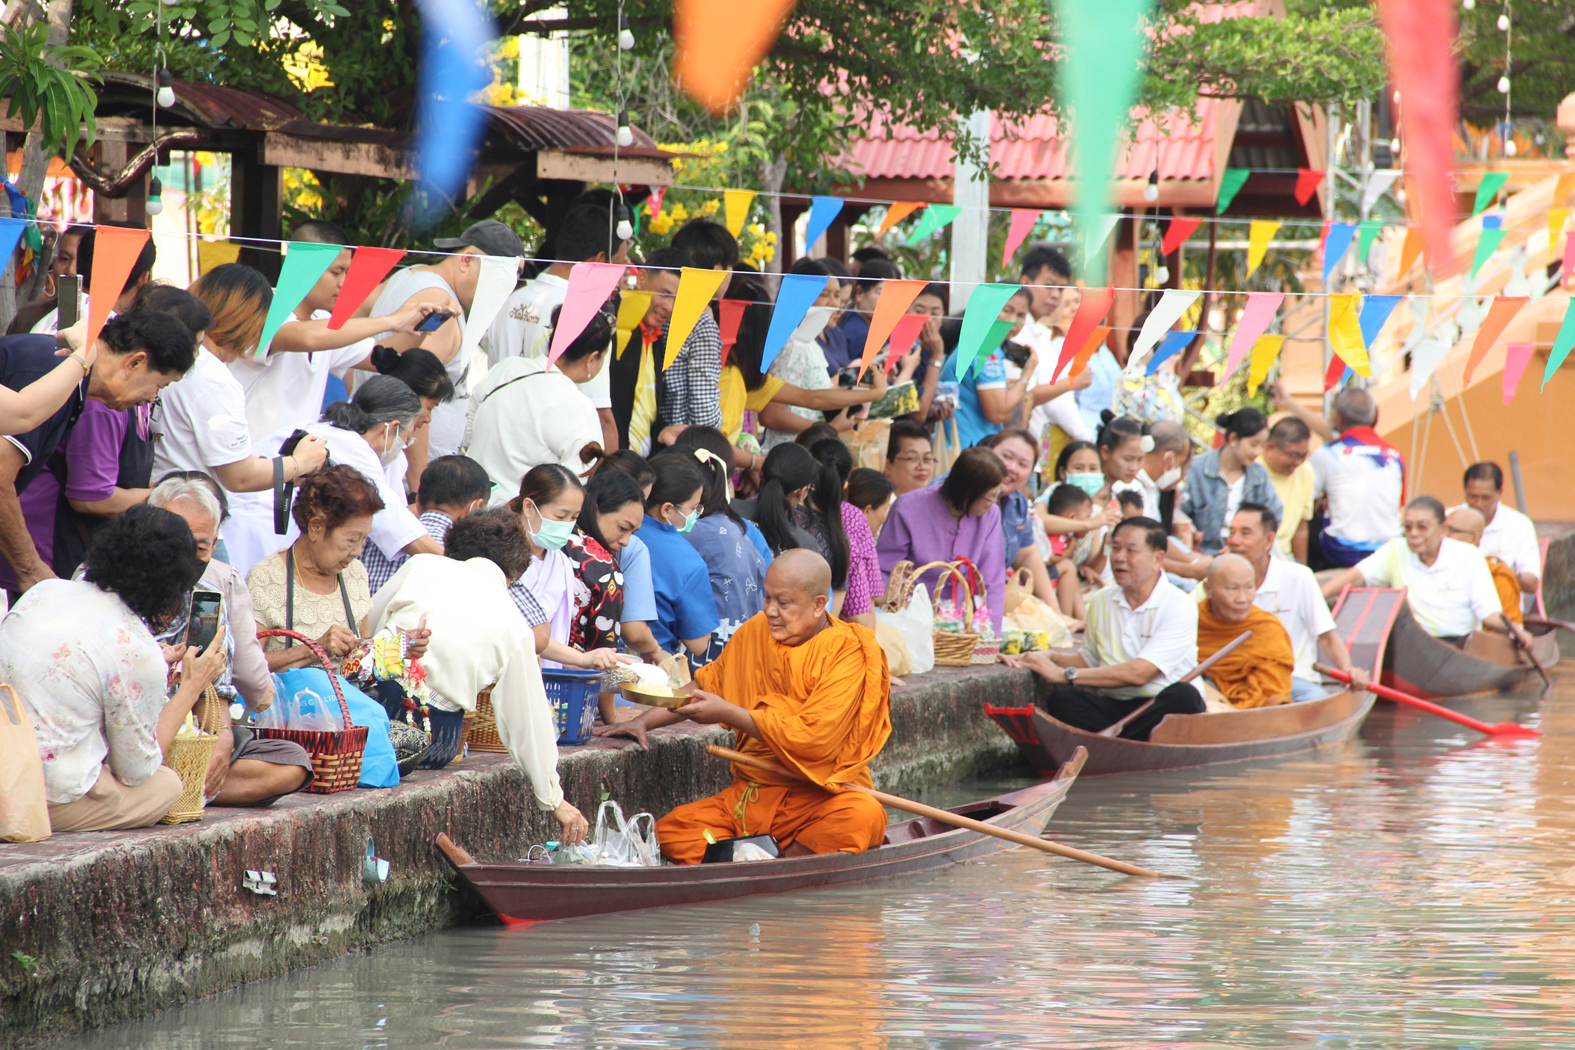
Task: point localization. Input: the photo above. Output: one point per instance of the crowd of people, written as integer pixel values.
(506, 514)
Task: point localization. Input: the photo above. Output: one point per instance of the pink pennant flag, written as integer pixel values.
(732, 316)
(903, 335)
(1516, 357)
(368, 267)
(1023, 220)
(1261, 307)
(1569, 258)
(591, 284)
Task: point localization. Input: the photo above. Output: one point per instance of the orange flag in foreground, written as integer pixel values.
(718, 43)
(115, 252)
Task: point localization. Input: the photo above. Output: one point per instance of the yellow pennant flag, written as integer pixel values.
(1264, 352)
(215, 253)
(1556, 217)
(695, 290)
(631, 309)
(735, 206)
(1410, 248)
(1561, 191)
(1259, 234)
(1345, 333)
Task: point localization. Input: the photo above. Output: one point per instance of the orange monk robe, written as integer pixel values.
(1256, 673)
(823, 709)
(1508, 586)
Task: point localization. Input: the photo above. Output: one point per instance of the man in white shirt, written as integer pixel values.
(524, 325)
(1141, 639)
(1449, 587)
(1509, 536)
(1047, 274)
(1290, 591)
(141, 273)
(1363, 477)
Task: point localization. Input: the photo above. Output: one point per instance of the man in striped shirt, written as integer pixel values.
(451, 487)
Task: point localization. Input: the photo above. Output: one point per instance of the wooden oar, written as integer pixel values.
(1114, 729)
(947, 817)
(1497, 729)
(1525, 650)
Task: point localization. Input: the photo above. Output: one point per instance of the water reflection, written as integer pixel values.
(1414, 889)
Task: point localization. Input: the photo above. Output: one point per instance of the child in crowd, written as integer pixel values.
(1067, 513)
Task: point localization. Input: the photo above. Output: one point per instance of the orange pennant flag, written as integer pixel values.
(1096, 339)
(898, 211)
(895, 298)
(1499, 315)
(115, 252)
(718, 43)
(1409, 250)
(1561, 190)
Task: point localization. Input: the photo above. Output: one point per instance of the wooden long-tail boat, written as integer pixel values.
(1415, 662)
(1188, 740)
(521, 893)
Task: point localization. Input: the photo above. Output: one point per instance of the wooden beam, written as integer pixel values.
(579, 167)
(345, 158)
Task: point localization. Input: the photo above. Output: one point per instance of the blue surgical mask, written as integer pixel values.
(689, 520)
(1089, 483)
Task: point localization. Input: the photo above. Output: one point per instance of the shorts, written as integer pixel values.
(273, 751)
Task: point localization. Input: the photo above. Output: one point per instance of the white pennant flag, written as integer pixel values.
(1167, 313)
(1378, 183)
(1425, 357)
(499, 274)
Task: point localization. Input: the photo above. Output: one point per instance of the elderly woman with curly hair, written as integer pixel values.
(480, 638)
(82, 657)
(318, 585)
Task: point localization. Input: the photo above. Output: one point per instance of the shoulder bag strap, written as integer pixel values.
(344, 593)
(289, 594)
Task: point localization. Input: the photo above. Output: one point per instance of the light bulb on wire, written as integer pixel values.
(625, 34)
(1151, 188)
(166, 95)
(625, 133)
(1162, 275)
(1503, 23)
(1503, 85)
(1469, 5)
(1510, 149)
(1394, 147)
(625, 227)
(155, 204)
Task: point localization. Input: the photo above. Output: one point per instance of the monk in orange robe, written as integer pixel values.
(1257, 673)
(802, 690)
(1466, 524)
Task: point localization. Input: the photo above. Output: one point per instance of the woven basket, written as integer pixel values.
(481, 733)
(336, 756)
(952, 648)
(189, 756)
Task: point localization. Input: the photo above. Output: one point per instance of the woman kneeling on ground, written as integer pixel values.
(92, 679)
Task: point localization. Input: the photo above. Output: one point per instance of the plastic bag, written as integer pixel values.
(898, 660)
(305, 710)
(625, 844)
(379, 767)
(24, 808)
(1032, 616)
(915, 621)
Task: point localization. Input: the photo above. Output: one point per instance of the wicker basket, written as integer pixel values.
(189, 756)
(481, 732)
(952, 648)
(336, 756)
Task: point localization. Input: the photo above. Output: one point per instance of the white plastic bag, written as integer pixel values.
(915, 622)
(305, 710)
(621, 842)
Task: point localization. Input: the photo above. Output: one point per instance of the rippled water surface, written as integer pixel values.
(1415, 888)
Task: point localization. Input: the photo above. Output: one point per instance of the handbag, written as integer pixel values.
(24, 808)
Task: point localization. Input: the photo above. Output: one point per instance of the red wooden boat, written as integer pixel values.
(1415, 662)
(525, 893)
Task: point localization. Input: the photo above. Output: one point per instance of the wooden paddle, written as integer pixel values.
(1525, 650)
(1115, 728)
(1498, 729)
(947, 817)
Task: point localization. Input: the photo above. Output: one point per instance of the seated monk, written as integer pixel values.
(1467, 525)
(1257, 673)
(804, 691)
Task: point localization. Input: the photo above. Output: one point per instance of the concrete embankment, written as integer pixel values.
(98, 928)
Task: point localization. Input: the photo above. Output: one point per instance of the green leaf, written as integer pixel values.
(220, 39)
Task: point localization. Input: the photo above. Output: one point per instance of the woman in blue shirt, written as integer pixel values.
(685, 610)
(986, 398)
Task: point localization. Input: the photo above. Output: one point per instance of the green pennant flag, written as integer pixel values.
(1487, 190)
(934, 218)
(1091, 240)
(1231, 183)
(1367, 232)
(305, 263)
(1103, 41)
(1487, 244)
(979, 319)
(992, 339)
(1561, 344)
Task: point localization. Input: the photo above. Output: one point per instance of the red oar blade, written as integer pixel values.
(1512, 729)
(1501, 729)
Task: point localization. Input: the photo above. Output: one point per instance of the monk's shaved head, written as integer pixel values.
(800, 569)
(1233, 583)
(798, 586)
(1465, 524)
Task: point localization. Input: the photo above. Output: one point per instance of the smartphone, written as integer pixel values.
(203, 625)
(434, 321)
(70, 300)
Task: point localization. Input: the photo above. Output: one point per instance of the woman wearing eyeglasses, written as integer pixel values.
(910, 463)
(526, 413)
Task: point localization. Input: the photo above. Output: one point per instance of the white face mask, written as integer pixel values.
(1169, 478)
(393, 445)
(814, 323)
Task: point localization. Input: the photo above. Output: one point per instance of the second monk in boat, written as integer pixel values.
(805, 691)
(1257, 673)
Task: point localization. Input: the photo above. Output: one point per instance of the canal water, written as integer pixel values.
(1415, 888)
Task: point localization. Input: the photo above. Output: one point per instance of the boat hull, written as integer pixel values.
(1419, 664)
(527, 893)
(1181, 741)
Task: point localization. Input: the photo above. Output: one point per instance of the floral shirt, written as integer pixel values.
(91, 678)
(802, 364)
(864, 579)
(597, 593)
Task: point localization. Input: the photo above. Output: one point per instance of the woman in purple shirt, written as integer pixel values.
(957, 519)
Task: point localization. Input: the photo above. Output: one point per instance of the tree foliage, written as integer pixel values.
(40, 80)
